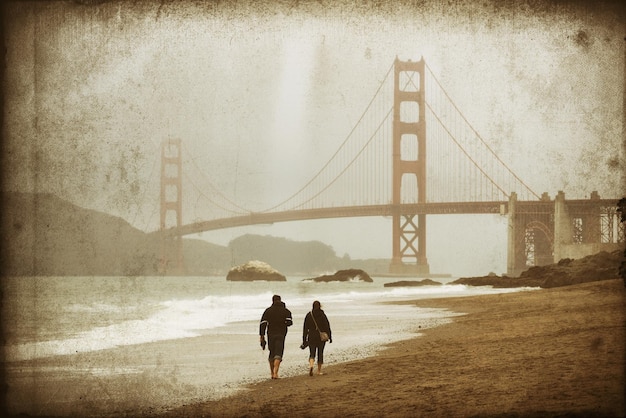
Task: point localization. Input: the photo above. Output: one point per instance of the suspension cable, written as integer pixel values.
(463, 149)
(350, 163)
(477, 134)
(215, 189)
(339, 148)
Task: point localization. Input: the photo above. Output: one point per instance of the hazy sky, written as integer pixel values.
(263, 93)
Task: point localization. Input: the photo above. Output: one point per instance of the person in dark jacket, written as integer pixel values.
(315, 322)
(275, 321)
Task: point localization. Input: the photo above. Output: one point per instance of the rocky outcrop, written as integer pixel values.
(408, 283)
(601, 266)
(254, 270)
(349, 275)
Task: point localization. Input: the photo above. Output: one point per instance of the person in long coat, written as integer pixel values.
(315, 322)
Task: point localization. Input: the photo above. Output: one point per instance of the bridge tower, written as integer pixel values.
(409, 132)
(171, 261)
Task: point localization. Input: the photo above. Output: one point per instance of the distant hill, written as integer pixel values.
(204, 258)
(45, 235)
(285, 255)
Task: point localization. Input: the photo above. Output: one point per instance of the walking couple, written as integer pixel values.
(275, 321)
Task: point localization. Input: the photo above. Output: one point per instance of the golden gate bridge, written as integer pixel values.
(412, 153)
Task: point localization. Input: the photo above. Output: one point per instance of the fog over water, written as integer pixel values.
(262, 94)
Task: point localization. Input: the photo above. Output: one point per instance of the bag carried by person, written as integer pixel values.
(323, 335)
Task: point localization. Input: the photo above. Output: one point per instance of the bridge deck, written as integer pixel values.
(458, 208)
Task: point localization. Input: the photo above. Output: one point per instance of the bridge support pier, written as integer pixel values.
(511, 259)
(585, 227)
(545, 231)
(531, 229)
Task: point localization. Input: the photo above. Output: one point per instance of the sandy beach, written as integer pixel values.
(550, 352)
(547, 352)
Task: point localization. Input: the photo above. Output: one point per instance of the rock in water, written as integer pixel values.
(348, 275)
(406, 283)
(254, 270)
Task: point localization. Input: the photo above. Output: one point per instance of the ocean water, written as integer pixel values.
(210, 326)
(46, 316)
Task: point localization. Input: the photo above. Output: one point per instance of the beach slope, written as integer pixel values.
(548, 352)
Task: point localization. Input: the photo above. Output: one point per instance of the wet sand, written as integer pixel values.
(551, 352)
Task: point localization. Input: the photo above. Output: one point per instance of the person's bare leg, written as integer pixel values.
(319, 368)
(276, 367)
(311, 362)
(271, 362)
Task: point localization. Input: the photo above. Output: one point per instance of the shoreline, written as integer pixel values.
(545, 352)
(152, 377)
(551, 352)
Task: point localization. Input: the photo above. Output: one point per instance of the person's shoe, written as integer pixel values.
(310, 371)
